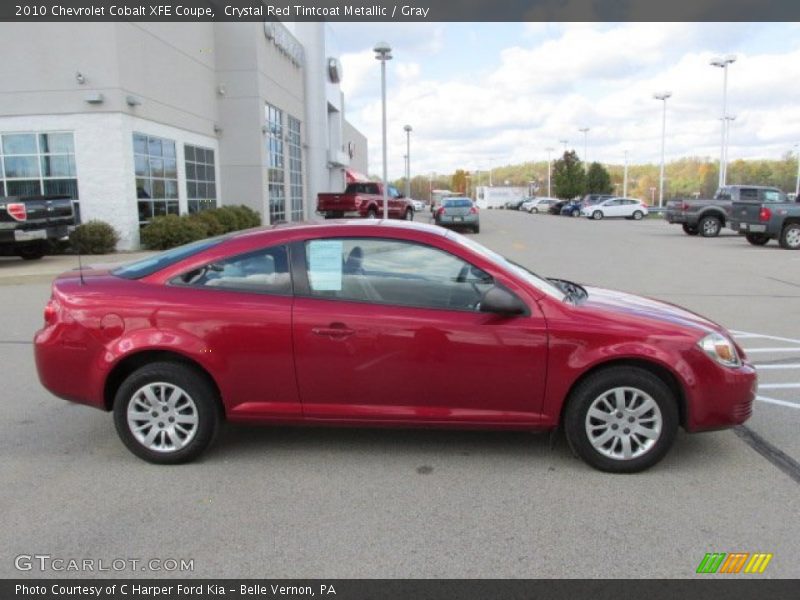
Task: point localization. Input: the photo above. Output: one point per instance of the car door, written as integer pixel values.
(390, 330)
(612, 208)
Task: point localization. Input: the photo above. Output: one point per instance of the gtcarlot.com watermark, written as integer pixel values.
(58, 564)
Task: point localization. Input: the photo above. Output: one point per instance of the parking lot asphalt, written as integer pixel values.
(325, 503)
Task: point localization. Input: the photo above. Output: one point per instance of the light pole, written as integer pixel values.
(652, 196)
(549, 165)
(407, 129)
(727, 121)
(383, 52)
(723, 62)
(663, 97)
(585, 132)
(490, 172)
(797, 185)
(625, 177)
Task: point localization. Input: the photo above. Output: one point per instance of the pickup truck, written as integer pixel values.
(365, 200)
(707, 216)
(766, 216)
(28, 223)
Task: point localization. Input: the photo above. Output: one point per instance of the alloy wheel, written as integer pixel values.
(623, 423)
(162, 417)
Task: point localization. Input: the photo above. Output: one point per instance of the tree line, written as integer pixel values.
(683, 178)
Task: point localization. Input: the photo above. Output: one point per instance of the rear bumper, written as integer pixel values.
(465, 221)
(12, 236)
(340, 214)
(744, 227)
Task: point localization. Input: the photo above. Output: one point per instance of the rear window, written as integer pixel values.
(457, 203)
(152, 264)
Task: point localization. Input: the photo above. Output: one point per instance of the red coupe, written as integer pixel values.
(371, 323)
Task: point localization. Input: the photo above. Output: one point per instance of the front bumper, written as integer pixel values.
(719, 397)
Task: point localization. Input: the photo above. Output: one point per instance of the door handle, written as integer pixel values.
(335, 330)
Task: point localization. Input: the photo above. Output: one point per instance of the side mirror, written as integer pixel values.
(502, 302)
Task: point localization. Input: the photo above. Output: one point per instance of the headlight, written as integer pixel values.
(721, 349)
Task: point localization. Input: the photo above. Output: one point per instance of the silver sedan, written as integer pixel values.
(458, 212)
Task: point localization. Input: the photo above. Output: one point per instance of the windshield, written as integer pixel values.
(151, 264)
(458, 202)
(523, 273)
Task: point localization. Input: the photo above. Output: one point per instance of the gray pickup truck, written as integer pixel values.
(28, 223)
(707, 216)
(768, 216)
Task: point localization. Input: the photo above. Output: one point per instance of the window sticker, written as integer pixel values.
(325, 265)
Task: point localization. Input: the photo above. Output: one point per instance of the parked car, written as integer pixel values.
(364, 199)
(555, 208)
(630, 208)
(515, 204)
(29, 223)
(458, 212)
(573, 208)
(767, 215)
(418, 205)
(707, 216)
(537, 205)
(378, 323)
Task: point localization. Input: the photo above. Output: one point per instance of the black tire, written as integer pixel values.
(690, 230)
(194, 385)
(32, 251)
(576, 213)
(372, 213)
(590, 390)
(637, 215)
(790, 237)
(476, 229)
(709, 227)
(409, 215)
(534, 210)
(757, 239)
(597, 215)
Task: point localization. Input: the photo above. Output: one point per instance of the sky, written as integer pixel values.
(482, 95)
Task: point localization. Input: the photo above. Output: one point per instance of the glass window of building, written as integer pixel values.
(276, 165)
(295, 170)
(201, 180)
(156, 171)
(32, 164)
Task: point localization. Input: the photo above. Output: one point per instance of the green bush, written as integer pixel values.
(94, 237)
(169, 231)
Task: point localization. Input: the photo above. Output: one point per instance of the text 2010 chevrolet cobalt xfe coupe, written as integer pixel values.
(381, 324)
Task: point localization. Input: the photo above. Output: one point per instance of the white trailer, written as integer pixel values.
(497, 196)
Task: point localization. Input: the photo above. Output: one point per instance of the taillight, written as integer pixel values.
(765, 214)
(473, 211)
(50, 312)
(685, 206)
(440, 212)
(17, 210)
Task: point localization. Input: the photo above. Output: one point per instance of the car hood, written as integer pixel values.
(638, 306)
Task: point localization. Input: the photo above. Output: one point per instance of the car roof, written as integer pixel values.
(328, 226)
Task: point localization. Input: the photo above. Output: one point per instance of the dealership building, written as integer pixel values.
(135, 120)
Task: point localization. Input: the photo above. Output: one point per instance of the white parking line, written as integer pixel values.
(778, 386)
(748, 334)
(778, 402)
(778, 366)
(784, 349)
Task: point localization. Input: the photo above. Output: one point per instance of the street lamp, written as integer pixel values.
(727, 124)
(663, 97)
(549, 165)
(383, 52)
(407, 129)
(723, 62)
(585, 132)
(652, 196)
(625, 177)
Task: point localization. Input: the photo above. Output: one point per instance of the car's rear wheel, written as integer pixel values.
(476, 229)
(534, 210)
(757, 239)
(32, 251)
(690, 230)
(372, 213)
(790, 237)
(710, 226)
(576, 213)
(621, 419)
(409, 215)
(597, 215)
(637, 215)
(166, 413)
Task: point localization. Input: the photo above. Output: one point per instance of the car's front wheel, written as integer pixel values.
(621, 419)
(597, 215)
(790, 237)
(166, 413)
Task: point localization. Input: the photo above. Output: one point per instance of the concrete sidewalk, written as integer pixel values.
(14, 271)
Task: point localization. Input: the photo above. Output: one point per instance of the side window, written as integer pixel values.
(370, 188)
(393, 272)
(770, 196)
(263, 271)
(748, 195)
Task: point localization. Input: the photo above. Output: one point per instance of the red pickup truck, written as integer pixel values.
(365, 200)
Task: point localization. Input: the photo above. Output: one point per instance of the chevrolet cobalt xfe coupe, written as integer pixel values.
(373, 323)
